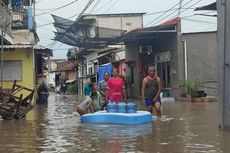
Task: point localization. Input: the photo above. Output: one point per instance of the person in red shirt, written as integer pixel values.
(116, 88)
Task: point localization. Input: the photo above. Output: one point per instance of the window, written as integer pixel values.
(12, 70)
(90, 70)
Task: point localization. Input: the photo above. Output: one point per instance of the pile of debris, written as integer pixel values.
(14, 105)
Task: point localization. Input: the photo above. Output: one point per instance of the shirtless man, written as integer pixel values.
(151, 89)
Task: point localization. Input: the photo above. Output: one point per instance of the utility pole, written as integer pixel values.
(223, 8)
(179, 9)
(2, 37)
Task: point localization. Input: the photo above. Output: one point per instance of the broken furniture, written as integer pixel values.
(13, 104)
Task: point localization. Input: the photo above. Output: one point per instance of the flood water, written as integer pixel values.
(183, 128)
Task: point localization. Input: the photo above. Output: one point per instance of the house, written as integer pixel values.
(42, 66)
(19, 40)
(158, 46)
(52, 75)
(201, 54)
(66, 72)
(109, 27)
(164, 47)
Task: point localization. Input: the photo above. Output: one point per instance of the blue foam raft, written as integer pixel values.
(140, 117)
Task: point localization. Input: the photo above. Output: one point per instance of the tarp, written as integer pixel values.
(81, 34)
(103, 69)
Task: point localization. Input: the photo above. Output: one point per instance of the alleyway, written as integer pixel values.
(184, 127)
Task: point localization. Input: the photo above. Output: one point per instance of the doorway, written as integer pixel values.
(163, 68)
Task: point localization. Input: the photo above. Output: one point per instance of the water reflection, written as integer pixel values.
(55, 127)
(126, 131)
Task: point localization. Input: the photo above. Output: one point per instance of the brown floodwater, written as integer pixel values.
(183, 128)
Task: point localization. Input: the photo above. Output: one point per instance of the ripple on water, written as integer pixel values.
(199, 148)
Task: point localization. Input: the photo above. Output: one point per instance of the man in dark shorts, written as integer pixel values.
(151, 89)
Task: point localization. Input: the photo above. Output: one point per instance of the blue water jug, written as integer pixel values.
(131, 107)
(112, 107)
(109, 106)
(121, 107)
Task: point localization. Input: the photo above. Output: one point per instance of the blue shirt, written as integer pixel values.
(87, 90)
(102, 85)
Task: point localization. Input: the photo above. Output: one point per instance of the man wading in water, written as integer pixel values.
(151, 89)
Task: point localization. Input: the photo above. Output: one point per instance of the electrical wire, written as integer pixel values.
(58, 8)
(86, 7)
(180, 13)
(112, 6)
(49, 23)
(154, 13)
(95, 6)
(104, 5)
(164, 13)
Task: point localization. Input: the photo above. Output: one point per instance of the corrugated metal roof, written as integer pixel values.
(211, 6)
(19, 46)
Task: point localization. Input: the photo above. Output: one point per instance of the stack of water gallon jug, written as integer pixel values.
(122, 107)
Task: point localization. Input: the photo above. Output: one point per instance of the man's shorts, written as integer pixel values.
(149, 101)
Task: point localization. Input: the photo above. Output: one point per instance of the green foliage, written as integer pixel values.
(72, 89)
(191, 86)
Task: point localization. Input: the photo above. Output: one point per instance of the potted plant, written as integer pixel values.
(191, 86)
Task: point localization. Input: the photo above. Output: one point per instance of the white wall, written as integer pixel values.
(132, 54)
(91, 58)
(123, 23)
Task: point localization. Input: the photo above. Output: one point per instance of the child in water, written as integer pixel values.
(90, 104)
(97, 102)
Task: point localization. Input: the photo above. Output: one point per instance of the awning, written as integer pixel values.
(210, 7)
(45, 51)
(8, 38)
(18, 46)
(150, 32)
(70, 81)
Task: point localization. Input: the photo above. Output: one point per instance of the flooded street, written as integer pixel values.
(55, 127)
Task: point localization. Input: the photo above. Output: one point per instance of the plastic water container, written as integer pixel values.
(131, 107)
(121, 107)
(111, 107)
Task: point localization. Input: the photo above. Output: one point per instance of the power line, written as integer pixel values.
(43, 19)
(154, 13)
(58, 8)
(62, 35)
(104, 5)
(191, 6)
(172, 13)
(78, 14)
(96, 4)
(49, 23)
(164, 13)
(112, 6)
(181, 11)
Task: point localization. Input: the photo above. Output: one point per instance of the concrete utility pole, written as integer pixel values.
(2, 35)
(179, 9)
(223, 8)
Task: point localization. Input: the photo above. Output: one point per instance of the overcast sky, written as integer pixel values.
(190, 21)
